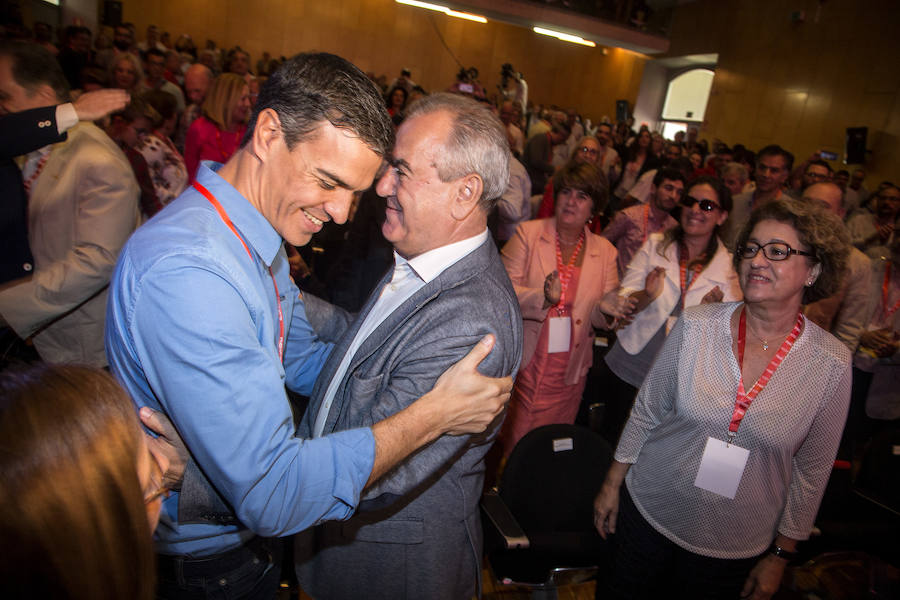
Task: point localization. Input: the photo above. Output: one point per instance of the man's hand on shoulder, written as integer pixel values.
(168, 448)
(465, 400)
(95, 105)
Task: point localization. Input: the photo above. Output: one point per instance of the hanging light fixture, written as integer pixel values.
(562, 36)
(446, 10)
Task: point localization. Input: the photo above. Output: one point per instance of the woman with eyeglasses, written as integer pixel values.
(562, 274)
(731, 441)
(81, 491)
(587, 150)
(684, 266)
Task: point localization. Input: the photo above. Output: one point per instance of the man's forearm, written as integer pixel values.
(401, 434)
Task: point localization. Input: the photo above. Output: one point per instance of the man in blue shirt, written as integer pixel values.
(205, 325)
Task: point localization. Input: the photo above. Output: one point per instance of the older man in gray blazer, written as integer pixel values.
(417, 532)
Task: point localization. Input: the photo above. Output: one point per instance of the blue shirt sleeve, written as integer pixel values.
(198, 338)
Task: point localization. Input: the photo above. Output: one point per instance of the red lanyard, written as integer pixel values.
(224, 216)
(565, 273)
(683, 271)
(37, 171)
(743, 400)
(646, 222)
(885, 292)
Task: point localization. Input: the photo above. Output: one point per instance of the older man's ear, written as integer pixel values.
(468, 195)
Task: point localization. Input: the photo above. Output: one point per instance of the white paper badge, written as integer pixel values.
(560, 335)
(721, 468)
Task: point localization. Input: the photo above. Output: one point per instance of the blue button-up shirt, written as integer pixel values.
(192, 330)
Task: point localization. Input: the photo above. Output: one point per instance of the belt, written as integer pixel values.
(175, 567)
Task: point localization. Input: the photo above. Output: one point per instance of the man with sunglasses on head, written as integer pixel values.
(632, 226)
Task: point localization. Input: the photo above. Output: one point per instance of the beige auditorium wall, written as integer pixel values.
(802, 84)
(383, 37)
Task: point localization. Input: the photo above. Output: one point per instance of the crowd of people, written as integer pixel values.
(193, 226)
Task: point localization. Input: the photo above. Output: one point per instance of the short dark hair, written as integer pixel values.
(819, 229)
(154, 52)
(163, 102)
(670, 174)
(819, 163)
(33, 66)
(776, 150)
(313, 88)
(583, 177)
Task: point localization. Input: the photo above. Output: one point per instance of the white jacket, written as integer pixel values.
(719, 272)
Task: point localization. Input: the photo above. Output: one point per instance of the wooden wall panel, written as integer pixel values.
(383, 37)
(800, 85)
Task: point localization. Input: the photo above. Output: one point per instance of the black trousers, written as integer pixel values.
(646, 564)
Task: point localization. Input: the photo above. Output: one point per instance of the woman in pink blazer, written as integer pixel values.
(561, 273)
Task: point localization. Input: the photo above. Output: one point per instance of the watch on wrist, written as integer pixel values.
(780, 552)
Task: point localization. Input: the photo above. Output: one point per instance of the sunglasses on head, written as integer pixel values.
(705, 205)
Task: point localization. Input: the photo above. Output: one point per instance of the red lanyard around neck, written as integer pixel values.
(683, 272)
(224, 216)
(744, 399)
(565, 272)
(885, 292)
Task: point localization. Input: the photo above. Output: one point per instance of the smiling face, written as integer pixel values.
(588, 151)
(315, 182)
(573, 209)
(700, 223)
(775, 282)
(418, 216)
(124, 75)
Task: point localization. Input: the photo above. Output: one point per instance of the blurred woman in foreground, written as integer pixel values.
(81, 492)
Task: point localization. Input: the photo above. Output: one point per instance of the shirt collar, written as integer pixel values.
(434, 262)
(253, 226)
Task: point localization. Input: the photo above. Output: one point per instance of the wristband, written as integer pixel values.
(776, 550)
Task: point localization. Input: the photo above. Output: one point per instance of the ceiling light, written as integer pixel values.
(562, 36)
(447, 11)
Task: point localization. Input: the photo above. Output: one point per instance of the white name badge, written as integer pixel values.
(560, 335)
(721, 468)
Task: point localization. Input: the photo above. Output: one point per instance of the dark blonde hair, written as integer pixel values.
(222, 99)
(72, 515)
(819, 229)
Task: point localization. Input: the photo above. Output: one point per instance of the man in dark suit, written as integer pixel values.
(417, 532)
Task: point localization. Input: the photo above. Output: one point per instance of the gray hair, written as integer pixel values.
(736, 169)
(477, 144)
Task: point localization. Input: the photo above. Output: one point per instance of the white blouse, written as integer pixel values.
(792, 430)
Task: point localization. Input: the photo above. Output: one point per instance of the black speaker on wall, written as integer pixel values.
(112, 13)
(622, 111)
(855, 149)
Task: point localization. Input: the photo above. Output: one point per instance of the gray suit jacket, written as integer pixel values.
(417, 533)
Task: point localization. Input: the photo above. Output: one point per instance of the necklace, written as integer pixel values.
(765, 343)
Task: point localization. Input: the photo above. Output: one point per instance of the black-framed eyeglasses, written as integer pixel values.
(705, 205)
(774, 251)
(589, 150)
